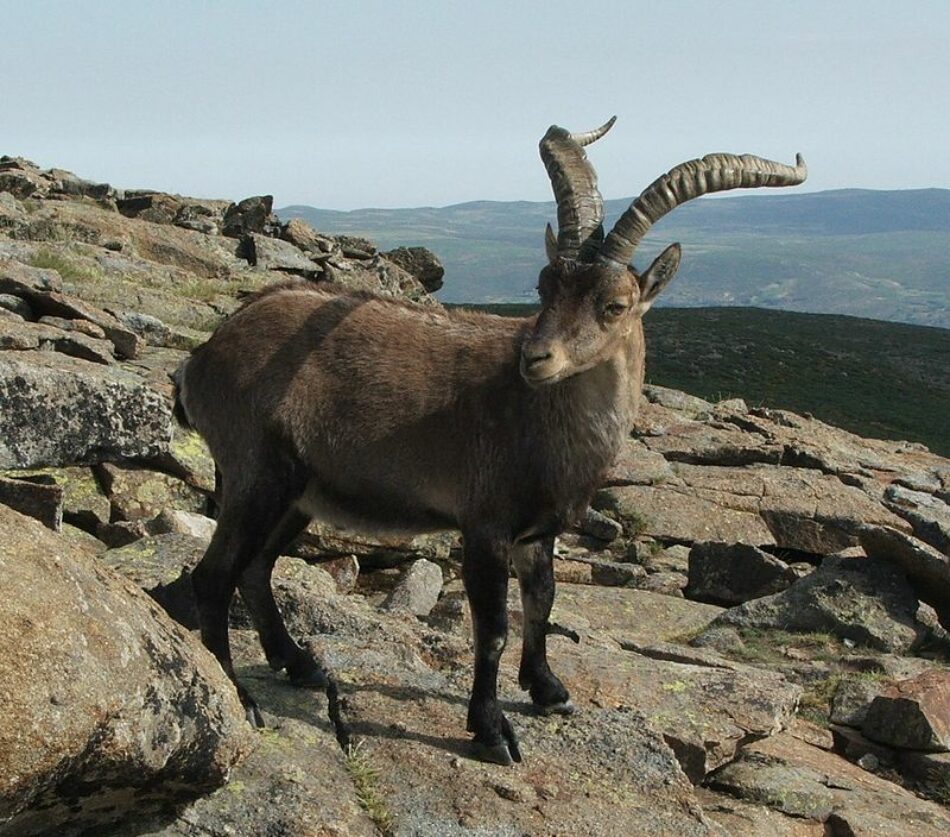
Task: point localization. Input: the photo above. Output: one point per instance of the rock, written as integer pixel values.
(929, 515)
(17, 305)
(61, 411)
(728, 574)
(629, 616)
(139, 494)
(378, 276)
(927, 569)
(859, 599)
(269, 253)
(705, 443)
(56, 304)
(599, 526)
(34, 497)
(669, 584)
(251, 215)
(674, 559)
(181, 522)
(790, 775)
(608, 573)
(297, 781)
(851, 700)
(704, 712)
(638, 465)
(110, 710)
(82, 326)
(421, 263)
(853, 746)
(84, 504)
(21, 336)
(151, 329)
(929, 772)
(912, 714)
(299, 233)
(793, 792)
(675, 400)
(188, 457)
(161, 565)
(672, 514)
(418, 590)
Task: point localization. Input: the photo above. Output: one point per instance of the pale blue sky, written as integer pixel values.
(363, 103)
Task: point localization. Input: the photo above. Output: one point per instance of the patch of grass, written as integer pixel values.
(815, 703)
(365, 776)
(69, 269)
(204, 290)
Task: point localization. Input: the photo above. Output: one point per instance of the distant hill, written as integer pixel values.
(885, 380)
(878, 254)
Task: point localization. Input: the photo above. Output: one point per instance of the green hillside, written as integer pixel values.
(885, 380)
(877, 254)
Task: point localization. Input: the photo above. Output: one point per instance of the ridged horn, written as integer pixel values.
(580, 207)
(713, 173)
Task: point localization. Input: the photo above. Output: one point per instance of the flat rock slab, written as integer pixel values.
(110, 709)
(791, 776)
(628, 616)
(60, 410)
(703, 712)
(673, 514)
(403, 689)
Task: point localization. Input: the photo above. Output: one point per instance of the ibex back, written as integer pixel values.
(380, 415)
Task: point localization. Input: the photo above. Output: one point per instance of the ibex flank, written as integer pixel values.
(379, 415)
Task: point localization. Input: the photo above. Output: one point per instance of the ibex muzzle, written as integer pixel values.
(380, 415)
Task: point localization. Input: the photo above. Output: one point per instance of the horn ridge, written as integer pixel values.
(580, 206)
(712, 173)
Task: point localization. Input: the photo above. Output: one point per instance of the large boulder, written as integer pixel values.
(110, 709)
(862, 600)
(59, 410)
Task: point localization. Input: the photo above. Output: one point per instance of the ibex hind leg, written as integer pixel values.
(247, 519)
(534, 566)
(255, 585)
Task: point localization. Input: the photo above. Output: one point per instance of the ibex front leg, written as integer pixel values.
(534, 565)
(485, 572)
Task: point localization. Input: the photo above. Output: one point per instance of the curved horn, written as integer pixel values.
(580, 207)
(713, 173)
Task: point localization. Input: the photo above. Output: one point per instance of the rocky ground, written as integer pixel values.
(752, 619)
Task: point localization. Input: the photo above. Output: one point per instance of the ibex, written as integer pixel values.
(376, 414)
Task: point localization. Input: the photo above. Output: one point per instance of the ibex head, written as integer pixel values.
(591, 295)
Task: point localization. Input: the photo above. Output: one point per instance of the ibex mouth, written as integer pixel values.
(541, 370)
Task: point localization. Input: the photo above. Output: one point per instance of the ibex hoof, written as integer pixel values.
(499, 753)
(562, 708)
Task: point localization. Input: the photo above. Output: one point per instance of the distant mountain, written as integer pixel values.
(878, 254)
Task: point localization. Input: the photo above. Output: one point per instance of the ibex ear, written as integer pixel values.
(657, 276)
(550, 244)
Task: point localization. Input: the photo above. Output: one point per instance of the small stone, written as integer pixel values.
(418, 590)
(598, 525)
(869, 761)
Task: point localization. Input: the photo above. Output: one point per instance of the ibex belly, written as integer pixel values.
(376, 512)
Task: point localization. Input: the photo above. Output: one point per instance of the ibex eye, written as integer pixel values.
(615, 309)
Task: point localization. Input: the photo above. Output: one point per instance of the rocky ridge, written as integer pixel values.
(752, 619)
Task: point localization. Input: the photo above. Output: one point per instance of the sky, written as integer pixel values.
(344, 105)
